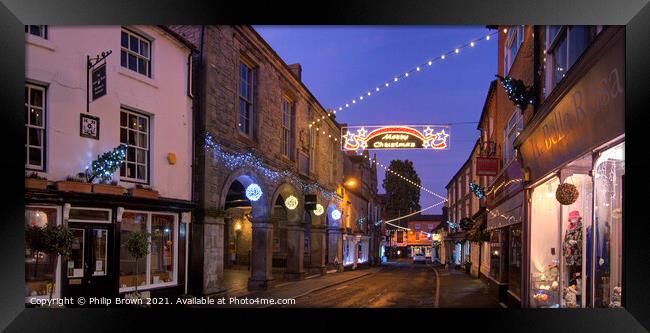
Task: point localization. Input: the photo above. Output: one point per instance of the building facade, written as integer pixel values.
(574, 143)
(138, 94)
(269, 166)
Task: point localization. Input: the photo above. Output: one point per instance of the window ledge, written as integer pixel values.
(137, 76)
(40, 42)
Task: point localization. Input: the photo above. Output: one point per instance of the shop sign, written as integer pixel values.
(432, 137)
(487, 166)
(592, 112)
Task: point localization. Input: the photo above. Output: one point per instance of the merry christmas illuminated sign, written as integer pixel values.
(434, 137)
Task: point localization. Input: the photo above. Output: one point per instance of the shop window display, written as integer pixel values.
(544, 245)
(40, 268)
(132, 222)
(609, 176)
(576, 219)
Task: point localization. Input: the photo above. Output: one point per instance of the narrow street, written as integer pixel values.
(398, 284)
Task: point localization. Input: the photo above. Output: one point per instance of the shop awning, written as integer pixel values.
(508, 213)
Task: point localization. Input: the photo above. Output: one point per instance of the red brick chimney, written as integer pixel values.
(297, 70)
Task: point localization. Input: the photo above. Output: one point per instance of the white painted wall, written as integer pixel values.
(59, 63)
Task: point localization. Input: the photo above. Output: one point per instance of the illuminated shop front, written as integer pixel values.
(574, 157)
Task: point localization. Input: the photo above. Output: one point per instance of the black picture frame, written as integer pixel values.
(635, 14)
(84, 131)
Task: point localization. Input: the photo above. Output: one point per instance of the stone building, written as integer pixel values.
(264, 144)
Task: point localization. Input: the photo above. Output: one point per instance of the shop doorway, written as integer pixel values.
(89, 271)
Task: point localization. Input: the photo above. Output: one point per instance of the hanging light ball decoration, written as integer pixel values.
(291, 202)
(253, 192)
(319, 210)
(566, 194)
(336, 214)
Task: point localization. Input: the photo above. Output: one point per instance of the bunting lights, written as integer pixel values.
(375, 90)
(233, 161)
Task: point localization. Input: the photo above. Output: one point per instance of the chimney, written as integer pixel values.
(297, 70)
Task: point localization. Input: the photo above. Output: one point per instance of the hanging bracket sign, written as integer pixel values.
(359, 138)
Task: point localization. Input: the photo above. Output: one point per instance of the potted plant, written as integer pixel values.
(36, 182)
(143, 191)
(75, 184)
(108, 188)
(137, 245)
(50, 240)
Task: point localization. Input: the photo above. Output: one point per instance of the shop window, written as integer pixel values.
(514, 261)
(41, 274)
(609, 174)
(495, 254)
(544, 245)
(158, 268)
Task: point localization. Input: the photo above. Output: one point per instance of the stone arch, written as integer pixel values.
(246, 177)
(283, 191)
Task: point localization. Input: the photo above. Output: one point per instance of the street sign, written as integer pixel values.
(99, 81)
(432, 137)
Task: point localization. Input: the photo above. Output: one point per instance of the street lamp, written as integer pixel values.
(351, 182)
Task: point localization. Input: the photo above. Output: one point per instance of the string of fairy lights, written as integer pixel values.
(428, 63)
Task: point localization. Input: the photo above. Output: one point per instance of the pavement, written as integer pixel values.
(461, 290)
(235, 280)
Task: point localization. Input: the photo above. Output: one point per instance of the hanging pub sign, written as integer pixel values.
(433, 137)
(99, 81)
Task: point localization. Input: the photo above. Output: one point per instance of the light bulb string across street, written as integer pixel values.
(409, 215)
(407, 73)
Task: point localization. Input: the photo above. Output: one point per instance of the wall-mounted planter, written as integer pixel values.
(143, 193)
(108, 189)
(36, 183)
(68, 186)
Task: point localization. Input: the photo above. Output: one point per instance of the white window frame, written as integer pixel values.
(515, 39)
(249, 100)
(551, 43)
(42, 128)
(57, 270)
(148, 285)
(110, 215)
(136, 147)
(138, 55)
(286, 125)
(43, 34)
(514, 124)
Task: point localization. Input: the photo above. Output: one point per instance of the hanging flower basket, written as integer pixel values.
(566, 194)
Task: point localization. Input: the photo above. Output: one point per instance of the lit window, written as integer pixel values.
(135, 53)
(134, 133)
(35, 127)
(162, 257)
(40, 268)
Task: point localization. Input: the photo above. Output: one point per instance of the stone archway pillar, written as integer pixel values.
(262, 254)
(318, 248)
(335, 242)
(213, 228)
(295, 252)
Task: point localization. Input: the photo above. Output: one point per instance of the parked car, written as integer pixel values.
(419, 258)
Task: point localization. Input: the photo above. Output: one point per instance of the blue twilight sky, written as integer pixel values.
(340, 63)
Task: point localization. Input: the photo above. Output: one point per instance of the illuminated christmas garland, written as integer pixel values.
(406, 74)
(249, 159)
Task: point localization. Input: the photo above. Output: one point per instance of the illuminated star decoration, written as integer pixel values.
(440, 139)
(362, 132)
(349, 138)
(428, 131)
